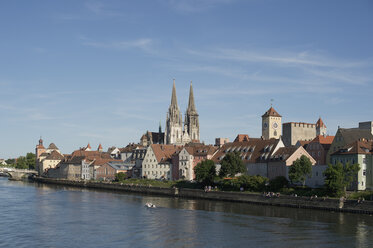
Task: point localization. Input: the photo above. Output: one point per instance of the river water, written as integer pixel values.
(37, 215)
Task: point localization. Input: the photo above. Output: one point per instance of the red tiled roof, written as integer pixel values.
(130, 147)
(271, 112)
(242, 137)
(201, 150)
(357, 147)
(252, 151)
(91, 154)
(164, 152)
(304, 143)
(323, 139)
(284, 153)
(52, 146)
(54, 155)
(320, 123)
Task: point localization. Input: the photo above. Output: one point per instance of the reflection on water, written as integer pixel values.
(40, 215)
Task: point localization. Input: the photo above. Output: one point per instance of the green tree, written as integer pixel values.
(121, 176)
(252, 183)
(205, 172)
(300, 169)
(10, 162)
(339, 176)
(31, 160)
(278, 183)
(21, 163)
(231, 165)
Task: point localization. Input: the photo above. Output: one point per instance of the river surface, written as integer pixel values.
(37, 215)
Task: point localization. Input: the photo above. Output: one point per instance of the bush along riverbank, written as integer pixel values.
(169, 189)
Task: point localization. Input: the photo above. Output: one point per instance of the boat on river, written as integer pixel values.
(150, 205)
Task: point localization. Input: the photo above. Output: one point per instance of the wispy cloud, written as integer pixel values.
(284, 58)
(99, 8)
(195, 5)
(305, 68)
(144, 44)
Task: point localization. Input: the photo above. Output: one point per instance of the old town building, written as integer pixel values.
(157, 163)
(360, 152)
(283, 158)
(271, 124)
(345, 136)
(301, 131)
(255, 153)
(189, 157)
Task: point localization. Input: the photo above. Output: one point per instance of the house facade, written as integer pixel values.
(360, 152)
(283, 158)
(345, 136)
(319, 147)
(188, 158)
(46, 158)
(255, 153)
(157, 163)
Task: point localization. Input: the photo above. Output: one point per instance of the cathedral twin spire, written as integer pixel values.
(174, 131)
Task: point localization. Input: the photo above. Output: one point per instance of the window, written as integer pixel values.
(364, 172)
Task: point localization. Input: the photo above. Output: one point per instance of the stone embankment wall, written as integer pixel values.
(351, 206)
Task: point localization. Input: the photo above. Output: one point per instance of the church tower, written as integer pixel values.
(191, 117)
(39, 149)
(320, 127)
(271, 124)
(174, 129)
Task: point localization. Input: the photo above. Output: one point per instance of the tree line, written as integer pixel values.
(22, 162)
(231, 175)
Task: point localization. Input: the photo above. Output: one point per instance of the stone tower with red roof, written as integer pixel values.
(271, 124)
(320, 127)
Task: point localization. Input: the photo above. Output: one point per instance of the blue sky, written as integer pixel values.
(101, 71)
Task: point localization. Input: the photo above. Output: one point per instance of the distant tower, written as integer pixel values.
(88, 148)
(271, 124)
(39, 148)
(160, 134)
(100, 149)
(320, 127)
(174, 129)
(191, 117)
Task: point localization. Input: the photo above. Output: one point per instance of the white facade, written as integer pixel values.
(152, 169)
(186, 165)
(87, 170)
(317, 178)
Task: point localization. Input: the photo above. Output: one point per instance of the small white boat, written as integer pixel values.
(150, 205)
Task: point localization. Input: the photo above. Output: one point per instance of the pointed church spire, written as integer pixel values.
(191, 106)
(174, 98)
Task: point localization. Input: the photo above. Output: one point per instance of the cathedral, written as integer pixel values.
(177, 132)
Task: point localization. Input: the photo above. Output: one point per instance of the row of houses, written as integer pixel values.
(265, 157)
(82, 164)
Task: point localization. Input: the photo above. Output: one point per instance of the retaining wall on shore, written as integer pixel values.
(351, 206)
